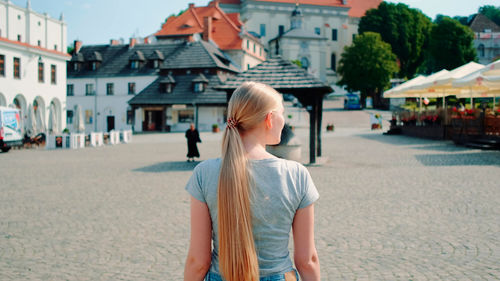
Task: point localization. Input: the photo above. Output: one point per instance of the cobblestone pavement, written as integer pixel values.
(391, 208)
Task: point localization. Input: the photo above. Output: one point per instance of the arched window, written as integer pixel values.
(333, 62)
(304, 62)
(480, 48)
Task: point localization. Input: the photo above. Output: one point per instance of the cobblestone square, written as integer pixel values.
(391, 208)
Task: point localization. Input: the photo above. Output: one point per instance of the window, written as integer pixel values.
(317, 30)
(19, 37)
(334, 35)
(88, 116)
(281, 30)
(89, 89)
(353, 36)
(39, 23)
(262, 30)
(40, 72)
(53, 74)
(481, 50)
(2, 65)
(333, 62)
(304, 62)
(94, 65)
(166, 87)
(76, 66)
(17, 68)
(254, 50)
(70, 90)
(134, 64)
(110, 89)
(248, 44)
(198, 87)
(130, 116)
(55, 47)
(156, 64)
(69, 116)
(131, 88)
(39, 43)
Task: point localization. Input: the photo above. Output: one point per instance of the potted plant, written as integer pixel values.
(215, 128)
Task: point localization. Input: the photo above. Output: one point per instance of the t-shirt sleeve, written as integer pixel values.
(310, 193)
(193, 185)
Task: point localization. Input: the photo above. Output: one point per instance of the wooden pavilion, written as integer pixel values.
(288, 78)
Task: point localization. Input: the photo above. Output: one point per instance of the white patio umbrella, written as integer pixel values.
(53, 126)
(484, 82)
(78, 121)
(393, 93)
(30, 125)
(40, 121)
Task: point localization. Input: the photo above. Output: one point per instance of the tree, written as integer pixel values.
(367, 66)
(406, 30)
(451, 44)
(491, 12)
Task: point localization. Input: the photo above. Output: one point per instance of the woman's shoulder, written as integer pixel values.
(207, 165)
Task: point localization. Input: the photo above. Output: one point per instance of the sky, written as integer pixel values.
(98, 21)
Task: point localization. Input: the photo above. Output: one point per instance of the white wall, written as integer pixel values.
(28, 86)
(115, 105)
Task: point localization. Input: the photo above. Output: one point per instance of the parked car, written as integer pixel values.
(10, 128)
(352, 101)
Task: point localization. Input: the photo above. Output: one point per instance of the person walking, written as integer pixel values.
(193, 137)
(246, 202)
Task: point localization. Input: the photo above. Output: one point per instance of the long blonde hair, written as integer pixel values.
(248, 106)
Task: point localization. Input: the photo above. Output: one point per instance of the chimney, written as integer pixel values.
(114, 42)
(191, 5)
(132, 43)
(214, 3)
(77, 46)
(207, 28)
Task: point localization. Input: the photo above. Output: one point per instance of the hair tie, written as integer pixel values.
(231, 123)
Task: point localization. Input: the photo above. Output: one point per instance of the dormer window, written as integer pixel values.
(199, 87)
(200, 83)
(167, 84)
(77, 61)
(95, 60)
(136, 60)
(156, 58)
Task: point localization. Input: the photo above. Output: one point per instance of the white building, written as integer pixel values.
(147, 87)
(335, 20)
(486, 38)
(33, 61)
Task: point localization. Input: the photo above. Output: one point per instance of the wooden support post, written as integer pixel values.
(312, 132)
(319, 115)
(163, 118)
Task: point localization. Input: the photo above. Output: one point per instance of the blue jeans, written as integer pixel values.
(277, 277)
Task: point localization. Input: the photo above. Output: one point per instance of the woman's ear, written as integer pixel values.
(268, 120)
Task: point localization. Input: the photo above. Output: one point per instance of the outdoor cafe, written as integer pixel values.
(462, 104)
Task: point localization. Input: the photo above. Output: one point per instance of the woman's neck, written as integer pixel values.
(255, 146)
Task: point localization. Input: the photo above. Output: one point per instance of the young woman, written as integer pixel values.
(247, 201)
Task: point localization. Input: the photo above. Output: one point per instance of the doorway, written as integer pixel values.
(111, 123)
(153, 120)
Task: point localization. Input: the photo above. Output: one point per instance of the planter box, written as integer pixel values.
(428, 132)
(96, 139)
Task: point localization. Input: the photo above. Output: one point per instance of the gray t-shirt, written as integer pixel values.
(280, 188)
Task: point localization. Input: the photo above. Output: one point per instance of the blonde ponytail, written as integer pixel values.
(237, 255)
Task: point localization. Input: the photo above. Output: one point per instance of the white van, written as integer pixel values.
(10, 128)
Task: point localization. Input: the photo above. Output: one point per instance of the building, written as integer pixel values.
(212, 24)
(335, 20)
(185, 91)
(33, 61)
(486, 38)
(147, 87)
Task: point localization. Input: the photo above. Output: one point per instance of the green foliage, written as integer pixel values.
(406, 30)
(491, 12)
(367, 65)
(297, 62)
(70, 50)
(176, 15)
(451, 44)
(462, 20)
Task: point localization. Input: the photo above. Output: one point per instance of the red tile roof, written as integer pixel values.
(359, 7)
(35, 47)
(225, 27)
